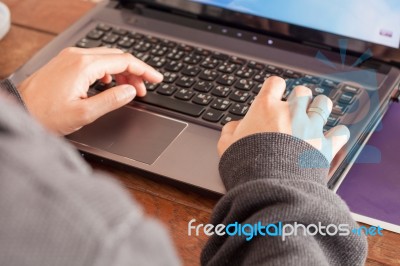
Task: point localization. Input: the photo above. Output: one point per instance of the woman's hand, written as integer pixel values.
(299, 116)
(56, 95)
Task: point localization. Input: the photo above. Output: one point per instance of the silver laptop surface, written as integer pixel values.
(215, 55)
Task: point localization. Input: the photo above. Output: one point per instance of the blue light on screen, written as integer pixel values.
(375, 21)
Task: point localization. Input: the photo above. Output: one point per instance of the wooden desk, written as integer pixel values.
(34, 24)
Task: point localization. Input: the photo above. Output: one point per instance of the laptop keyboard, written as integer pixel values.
(211, 87)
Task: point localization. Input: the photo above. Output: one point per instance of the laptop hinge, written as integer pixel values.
(317, 45)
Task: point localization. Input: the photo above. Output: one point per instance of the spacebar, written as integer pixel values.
(171, 104)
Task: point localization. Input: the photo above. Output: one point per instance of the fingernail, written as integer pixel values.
(129, 93)
(159, 76)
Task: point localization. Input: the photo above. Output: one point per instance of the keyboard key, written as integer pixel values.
(274, 70)
(329, 83)
(185, 81)
(95, 35)
(192, 59)
(157, 61)
(201, 51)
(230, 117)
(103, 27)
(226, 79)
(339, 109)
(351, 89)
(166, 89)
(227, 68)
(126, 42)
(176, 54)
(239, 109)
(262, 76)
(292, 74)
(86, 43)
(169, 77)
(332, 121)
(239, 96)
(237, 60)
(151, 86)
(172, 104)
(317, 90)
(246, 72)
(220, 56)
(184, 94)
(203, 86)
(221, 104)
(185, 48)
(152, 39)
(209, 75)
(210, 63)
(255, 65)
(120, 32)
(221, 91)
(137, 36)
(191, 71)
(244, 84)
(110, 38)
(159, 50)
(100, 86)
(202, 99)
(169, 44)
(142, 56)
(311, 79)
(347, 98)
(257, 88)
(174, 66)
(213, 115)
(142, 46)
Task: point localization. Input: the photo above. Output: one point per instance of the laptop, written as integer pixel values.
(215, 55)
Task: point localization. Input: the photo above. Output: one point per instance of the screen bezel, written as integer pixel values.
(270, 27)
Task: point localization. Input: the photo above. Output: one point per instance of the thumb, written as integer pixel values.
(337, 137)
(108, 100)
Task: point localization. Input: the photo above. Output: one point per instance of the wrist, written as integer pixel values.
(271, 155)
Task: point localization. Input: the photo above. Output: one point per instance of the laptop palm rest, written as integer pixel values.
(131, 133)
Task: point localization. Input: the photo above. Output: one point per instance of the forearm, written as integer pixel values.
(274, 178)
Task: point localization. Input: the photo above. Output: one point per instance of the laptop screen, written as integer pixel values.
(365, 24)
(375, 21)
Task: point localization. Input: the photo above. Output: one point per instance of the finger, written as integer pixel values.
(319, 110)
(230, 127)
(226, 136)
(138, 83)
(107, 101)
(100, 65)
(299, 100)
(106, 79)
(273, 87)
(337, 137)
(93, 51)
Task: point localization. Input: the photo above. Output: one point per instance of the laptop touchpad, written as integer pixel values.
(131, 133)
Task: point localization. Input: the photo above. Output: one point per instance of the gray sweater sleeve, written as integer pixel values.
(8, 88)
(274, 178)
(55, 210)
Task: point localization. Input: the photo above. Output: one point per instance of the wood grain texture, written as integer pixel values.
(18, 46)
(35, 21)
(52, 16)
